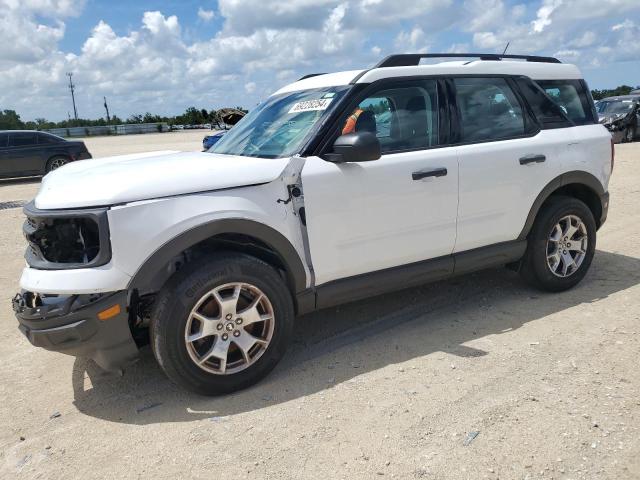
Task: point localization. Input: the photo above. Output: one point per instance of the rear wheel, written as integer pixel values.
(222, 325)
(56, 162)
(561, 245)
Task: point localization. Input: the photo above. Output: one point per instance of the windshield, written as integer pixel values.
(279, 127)
(614, 106)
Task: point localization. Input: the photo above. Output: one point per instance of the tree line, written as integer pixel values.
(621, 90)
(10, 120)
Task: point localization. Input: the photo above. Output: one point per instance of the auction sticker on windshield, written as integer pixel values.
(311, 105)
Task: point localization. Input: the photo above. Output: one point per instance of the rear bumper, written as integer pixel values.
(69, 324)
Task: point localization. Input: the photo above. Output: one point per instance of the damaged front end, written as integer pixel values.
(93, 325)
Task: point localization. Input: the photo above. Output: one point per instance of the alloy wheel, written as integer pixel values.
(229, 328)
(57, 163)
(567, 246)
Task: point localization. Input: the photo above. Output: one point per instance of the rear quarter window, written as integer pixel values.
(44, 139)
(573, 97)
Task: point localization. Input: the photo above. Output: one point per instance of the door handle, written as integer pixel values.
(436, 172)
(532, 159)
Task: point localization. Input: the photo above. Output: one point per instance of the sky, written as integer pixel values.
(164, 56)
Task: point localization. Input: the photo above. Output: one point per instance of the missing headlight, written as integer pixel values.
(65, 240)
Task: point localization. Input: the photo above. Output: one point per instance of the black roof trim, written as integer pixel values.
(310, 75)
(412, 59)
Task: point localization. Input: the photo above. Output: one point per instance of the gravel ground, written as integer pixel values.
(477, 377)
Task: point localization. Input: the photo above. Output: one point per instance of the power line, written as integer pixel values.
(106, 107)
(73, 97)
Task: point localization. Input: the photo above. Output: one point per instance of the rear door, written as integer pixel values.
(24, 154)
(505, 160)
(399, 209)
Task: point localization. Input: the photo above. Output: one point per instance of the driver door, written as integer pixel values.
(364, 217)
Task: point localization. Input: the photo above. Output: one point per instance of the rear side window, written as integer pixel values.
(572, 97)
(22, 139)
(489, 110)
(4, 138)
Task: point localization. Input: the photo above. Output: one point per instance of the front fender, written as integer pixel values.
(153, 272)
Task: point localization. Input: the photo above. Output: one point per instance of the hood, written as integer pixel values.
(128, 178)
(610, 117)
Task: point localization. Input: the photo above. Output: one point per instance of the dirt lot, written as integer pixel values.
(386, 388)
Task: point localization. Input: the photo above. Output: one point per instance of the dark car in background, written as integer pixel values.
(621, 116)
(26, 153)
(225, 118)
(210, 140)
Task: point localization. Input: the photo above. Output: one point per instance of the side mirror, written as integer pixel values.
(355, 147)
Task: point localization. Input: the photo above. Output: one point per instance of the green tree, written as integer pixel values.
(621, 90)
(10, 120)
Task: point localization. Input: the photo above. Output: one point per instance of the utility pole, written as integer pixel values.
(107, 109)
(73, 98)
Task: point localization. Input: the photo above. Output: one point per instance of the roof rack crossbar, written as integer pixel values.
(310, 75)
(412, 59)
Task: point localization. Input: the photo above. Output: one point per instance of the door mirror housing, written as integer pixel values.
(355, 147)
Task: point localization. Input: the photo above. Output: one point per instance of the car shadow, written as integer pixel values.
(339, 344)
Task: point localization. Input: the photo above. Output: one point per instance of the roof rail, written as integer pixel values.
(310, 75)
(412, 59)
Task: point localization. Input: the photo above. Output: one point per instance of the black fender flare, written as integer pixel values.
(573, 177)
(153, 270)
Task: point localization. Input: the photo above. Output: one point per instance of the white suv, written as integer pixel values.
(337, 187)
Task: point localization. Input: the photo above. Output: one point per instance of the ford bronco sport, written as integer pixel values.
(448, 168)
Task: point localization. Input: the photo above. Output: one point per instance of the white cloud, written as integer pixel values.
(411, 41)
(205, 15)
(250, 87)
(626, 24)
(31, 29)
(544, 14)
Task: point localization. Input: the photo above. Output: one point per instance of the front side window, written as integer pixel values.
(403, 117)
(280, 126)
(489, 110)
(22, 139)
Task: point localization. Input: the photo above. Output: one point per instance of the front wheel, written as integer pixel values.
(560, 246)
(222, 325)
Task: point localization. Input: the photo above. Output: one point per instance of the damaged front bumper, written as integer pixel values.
(71, 324)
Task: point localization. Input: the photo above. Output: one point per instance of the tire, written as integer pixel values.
(544, 252)
(206, 289)
(56, 162)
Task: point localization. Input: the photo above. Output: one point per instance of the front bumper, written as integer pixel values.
(69, 324)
